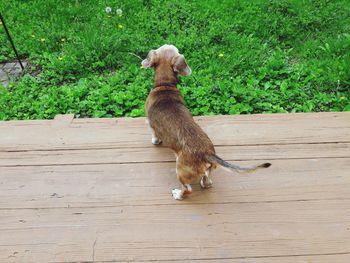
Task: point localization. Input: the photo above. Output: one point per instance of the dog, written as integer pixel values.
(172, 124)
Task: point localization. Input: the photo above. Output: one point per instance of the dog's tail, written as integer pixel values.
(233, 167)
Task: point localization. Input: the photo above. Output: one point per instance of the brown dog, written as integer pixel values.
(172, 124)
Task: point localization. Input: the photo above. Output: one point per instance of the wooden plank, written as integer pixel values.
(163, 154)
(149, 184)
(337, 258)
(224, 130)
(61, 205)
(62, 120)
(182, 232)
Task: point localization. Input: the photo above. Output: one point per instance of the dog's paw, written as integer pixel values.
(177, 194)
(156, 141)
(206, 182)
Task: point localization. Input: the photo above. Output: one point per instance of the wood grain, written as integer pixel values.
(149, 184)
(336, 258)
(223, 130)
(184, 232)
(162, 154)
(96, 190)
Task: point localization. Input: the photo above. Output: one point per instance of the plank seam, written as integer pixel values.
(173, 204)
(143, 147)
(205, 259)
(155, 162)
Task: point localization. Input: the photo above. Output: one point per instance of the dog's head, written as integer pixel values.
(167, 55)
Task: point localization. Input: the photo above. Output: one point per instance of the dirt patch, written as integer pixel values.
(11, 70)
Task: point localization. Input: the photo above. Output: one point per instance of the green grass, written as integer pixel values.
(278, 56)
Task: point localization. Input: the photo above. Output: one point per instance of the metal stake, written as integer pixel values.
(12, 44)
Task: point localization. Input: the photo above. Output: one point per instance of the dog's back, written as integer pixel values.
(173, 122)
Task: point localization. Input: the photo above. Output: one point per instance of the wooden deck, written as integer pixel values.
(96, 190)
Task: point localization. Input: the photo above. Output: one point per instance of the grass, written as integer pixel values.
(246, 56)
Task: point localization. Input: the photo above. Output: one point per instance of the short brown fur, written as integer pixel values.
(172, 122)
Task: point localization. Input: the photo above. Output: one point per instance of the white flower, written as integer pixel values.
(108, 9)
(119, 11)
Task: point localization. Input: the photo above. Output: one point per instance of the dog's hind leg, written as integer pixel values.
(206, 182)
(155, 139)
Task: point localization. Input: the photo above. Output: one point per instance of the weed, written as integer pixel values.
(247, 56)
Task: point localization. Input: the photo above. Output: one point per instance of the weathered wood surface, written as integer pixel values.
(96, 190)
(66, 133)
(162, 154)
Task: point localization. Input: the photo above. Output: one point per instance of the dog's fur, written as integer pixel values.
(171, 123)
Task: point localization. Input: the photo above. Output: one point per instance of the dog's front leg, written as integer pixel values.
(155, 139)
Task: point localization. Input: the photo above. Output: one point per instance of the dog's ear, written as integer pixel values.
(180, 66)
(150, 60)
